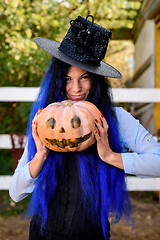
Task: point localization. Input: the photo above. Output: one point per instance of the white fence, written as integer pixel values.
(134, 95)
(133, 183)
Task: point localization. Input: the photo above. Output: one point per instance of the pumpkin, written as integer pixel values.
(68, 125)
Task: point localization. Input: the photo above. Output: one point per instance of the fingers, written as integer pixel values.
(34, 130)
(104, 122)
(102, 129)
(101, 132)
(101, 135)
(39, 111)
(34, 125)
(39, 144)
(35, 117)
(97, 136)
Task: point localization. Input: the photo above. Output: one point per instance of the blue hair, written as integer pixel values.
(47, 180)
(103, 185)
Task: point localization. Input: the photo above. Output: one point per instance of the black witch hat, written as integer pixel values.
(84, 46)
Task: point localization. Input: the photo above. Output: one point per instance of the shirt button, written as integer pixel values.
(148, 139)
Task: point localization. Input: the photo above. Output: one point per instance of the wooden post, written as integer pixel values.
(157, 75)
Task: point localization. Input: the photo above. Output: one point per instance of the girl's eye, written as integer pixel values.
(68, 79)
(85, 77)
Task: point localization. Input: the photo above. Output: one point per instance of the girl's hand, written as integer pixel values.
(41, 148)
(105, 152)
(37, 162)
(101, 135)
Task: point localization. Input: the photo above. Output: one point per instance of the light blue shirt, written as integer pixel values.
(142, 161)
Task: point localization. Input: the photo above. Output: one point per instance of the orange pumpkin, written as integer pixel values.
(68, 125)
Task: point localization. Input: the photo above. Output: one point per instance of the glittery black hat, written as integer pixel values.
(84, 46)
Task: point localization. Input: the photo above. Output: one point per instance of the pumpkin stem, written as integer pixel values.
(68, 103)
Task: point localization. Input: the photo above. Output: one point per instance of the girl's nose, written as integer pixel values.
(76, 86)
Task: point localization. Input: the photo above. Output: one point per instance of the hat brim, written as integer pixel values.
(51, 47)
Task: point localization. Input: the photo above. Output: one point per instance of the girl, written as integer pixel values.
(75, 195)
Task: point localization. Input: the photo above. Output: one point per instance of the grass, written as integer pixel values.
(9, 208)
(145, 196)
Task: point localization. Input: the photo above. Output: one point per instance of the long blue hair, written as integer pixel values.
(103, 185)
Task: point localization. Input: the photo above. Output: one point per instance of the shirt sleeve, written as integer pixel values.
(144, 158)
(21, 183)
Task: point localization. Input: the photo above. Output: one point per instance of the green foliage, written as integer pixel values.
(14, 117)
(22, 62)
(9, 208)
(6, 163)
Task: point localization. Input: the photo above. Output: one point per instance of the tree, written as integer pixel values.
(23, 63)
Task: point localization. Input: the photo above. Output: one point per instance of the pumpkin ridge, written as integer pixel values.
(78, 113)
(86, 114)
(59, 123)
(78, 131)
(66, 113)
(63, 119)
(90, 107)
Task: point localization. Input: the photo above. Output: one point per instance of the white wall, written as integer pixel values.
(144, 49)
(145, 45)
(147, 79)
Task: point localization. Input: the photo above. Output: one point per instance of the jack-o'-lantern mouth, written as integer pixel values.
(68, 142)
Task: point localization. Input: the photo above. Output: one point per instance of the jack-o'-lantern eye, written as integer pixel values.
(51, 123)
(75, 122)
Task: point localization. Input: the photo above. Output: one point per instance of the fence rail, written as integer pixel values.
(135, 95)
(133, 183)
(6, 142)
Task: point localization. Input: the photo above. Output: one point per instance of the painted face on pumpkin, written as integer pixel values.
(78, 84)
(75, 123)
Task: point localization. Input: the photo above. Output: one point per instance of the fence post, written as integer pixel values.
(18, 143)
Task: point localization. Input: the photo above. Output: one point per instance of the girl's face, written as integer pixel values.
(78, 84)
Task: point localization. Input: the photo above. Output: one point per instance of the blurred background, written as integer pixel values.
(134, 50)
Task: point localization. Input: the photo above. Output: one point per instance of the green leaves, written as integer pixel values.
(14, 117)
(22, 61)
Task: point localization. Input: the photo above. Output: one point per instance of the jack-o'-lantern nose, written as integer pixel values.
(61, 130)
